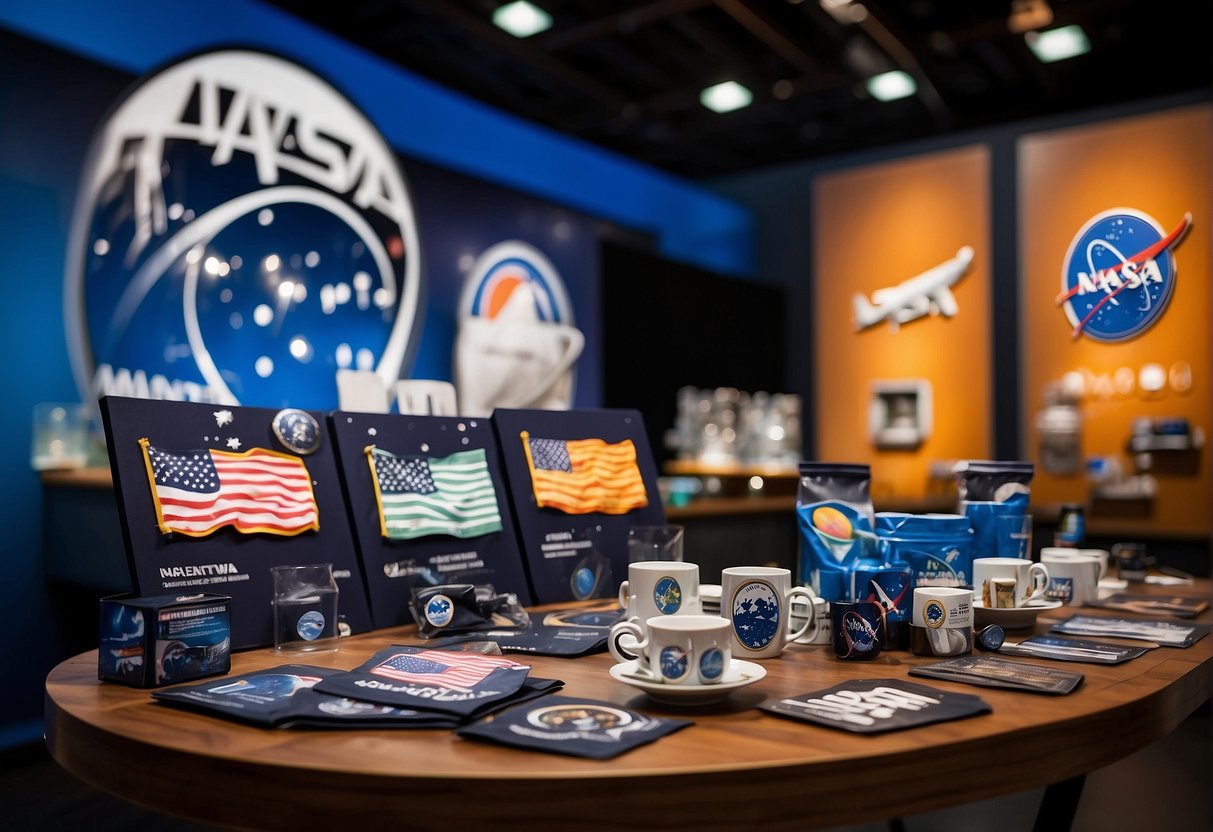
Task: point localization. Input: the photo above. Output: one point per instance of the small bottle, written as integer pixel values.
(1071, 526)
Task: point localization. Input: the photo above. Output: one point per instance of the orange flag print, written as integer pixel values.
(583, 476)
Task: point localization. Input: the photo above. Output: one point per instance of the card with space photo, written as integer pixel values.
(995, 672)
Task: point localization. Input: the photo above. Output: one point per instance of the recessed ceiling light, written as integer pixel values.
(522, 19)
(722, 98)
(1058, 44)
(889, 86)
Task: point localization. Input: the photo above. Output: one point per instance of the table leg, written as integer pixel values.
(1059, 805)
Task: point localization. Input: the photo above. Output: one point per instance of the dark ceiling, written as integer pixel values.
(627, 75)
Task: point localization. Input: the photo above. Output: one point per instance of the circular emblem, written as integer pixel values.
(310, 625)
(859, 632)
(674, 662)
(1112, 289)
(242, 232)
(297, 430)
(711, 664)
(513, 266)
(439, 610)
(934, 614)
(582, 717)
(583, 582)
(756, 614)
(667, 595)
(351, 707)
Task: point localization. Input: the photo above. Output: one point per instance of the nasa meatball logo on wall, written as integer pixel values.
(1119, 274)
(242, 232)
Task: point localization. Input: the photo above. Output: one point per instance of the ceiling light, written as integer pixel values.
(1058, 44)
(522, 19)
(889, 86)
(725, 97)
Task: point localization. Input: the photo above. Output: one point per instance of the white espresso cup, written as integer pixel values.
(941, 621)
(757, 602)
(1031, 579)
(1073, 577)
(660, 587)
(675, 649)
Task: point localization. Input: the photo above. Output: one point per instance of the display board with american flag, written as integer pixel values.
(259, 490)
(420, 496)
(583, 476)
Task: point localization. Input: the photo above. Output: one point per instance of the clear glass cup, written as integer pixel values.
(305, 608)
(1014, 536)
(61, 436)
(655, 543)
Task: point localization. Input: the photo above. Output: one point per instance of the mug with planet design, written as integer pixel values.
(757, 601)
(675, 649)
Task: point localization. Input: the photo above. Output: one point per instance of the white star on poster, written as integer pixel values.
(223, 417)
(234, 443)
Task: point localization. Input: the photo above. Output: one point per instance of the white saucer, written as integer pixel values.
(739, 674)
(1016, 618)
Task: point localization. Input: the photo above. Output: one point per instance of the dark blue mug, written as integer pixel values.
(859, 629)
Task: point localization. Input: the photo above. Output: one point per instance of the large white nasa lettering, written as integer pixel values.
(280, 137)
(1131, 276)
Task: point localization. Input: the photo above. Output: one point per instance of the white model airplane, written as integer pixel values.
(925, 294)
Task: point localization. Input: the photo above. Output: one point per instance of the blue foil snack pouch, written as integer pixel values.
(938, 548)
(835, 517)
(989, 490)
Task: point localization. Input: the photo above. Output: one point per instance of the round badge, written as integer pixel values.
(934, 614)
(667, 595)
(310, 625)
(439, 611)
(297, 430)
(583, 583)
(756, 615)
(711, 664)
(674, 662)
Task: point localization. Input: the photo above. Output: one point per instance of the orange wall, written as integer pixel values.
(1159, 164)
(874, 227)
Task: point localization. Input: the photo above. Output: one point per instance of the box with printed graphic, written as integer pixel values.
(160, 640)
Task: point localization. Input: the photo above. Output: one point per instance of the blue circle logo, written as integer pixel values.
(674, 662)
(242, 233)
(711, 664)
(756, 614)
(439, 611)
(583, 583)
(310, 625)
(1119, 274)
(667, 595)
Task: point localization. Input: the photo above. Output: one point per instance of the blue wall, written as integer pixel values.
(43, 141)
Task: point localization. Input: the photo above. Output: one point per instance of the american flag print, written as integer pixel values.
(451, 669)
(420, 496)
(199, 491)
(582, 476)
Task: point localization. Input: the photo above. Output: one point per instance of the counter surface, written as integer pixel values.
(736, 767)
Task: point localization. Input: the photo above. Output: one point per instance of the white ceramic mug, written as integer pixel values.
(675, 649)
(941, 621)
(757, 602)
(1031, 579)
(1073, 577)
(660, 587)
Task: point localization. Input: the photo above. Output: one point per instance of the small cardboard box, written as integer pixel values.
(164, 639)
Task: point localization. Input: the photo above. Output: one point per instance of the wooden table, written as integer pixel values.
(735, 768)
